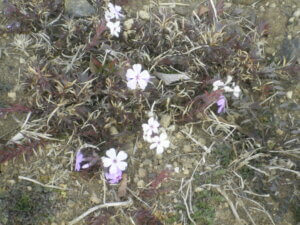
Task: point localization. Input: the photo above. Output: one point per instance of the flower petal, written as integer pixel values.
(218, 83)
(137, 68)
(111, 153)
(153, 145)
(130, 74)
(118, 8)
(142, 83)
(166, 144)
(85, 166)
(145, 127)
(122, 165)
(163, 136)
(221, 109)
(228, 89)
(148, 138)
(159, 150)
(113, 169)
(145, 75)
(122, 156)
(229, 79)
(107, 162)
(131, 84)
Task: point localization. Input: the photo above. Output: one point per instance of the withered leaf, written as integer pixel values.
(95, 65)
(171, 78)
(202, 10)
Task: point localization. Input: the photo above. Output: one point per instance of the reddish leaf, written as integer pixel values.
(160, 178)
(145, 217)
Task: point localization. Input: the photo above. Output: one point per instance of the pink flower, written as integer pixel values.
(114, 178)
(137, 78)
(114, 161)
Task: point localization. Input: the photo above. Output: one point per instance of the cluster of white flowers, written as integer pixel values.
(234, 89)
(112, 17)
(156, 136)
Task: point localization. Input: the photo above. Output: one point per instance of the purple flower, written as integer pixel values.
(114, 178)
(79, 160)
(221, 104)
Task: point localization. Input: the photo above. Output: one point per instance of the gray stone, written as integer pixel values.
(165, 120)
(79, 8)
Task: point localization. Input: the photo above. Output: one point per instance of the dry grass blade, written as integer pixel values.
(105, 205)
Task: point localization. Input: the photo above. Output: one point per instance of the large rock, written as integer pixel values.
(79, 8)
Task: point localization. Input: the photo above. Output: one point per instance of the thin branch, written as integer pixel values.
(39, 183)
(105, 205)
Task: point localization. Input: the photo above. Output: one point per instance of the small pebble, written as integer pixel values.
(279, 132)
(11, 182)
(29, 188)
(297, 13)
(144, 15)
(71, 203)
(187, 149)
(113, 130)
(198, 189)
(147, 162)
(141, 184)
(186, 171)
(291, 20)
(179, 135)
(289, 94)
(12, 95)
(128, 24)
(165, 120)
(142, 172)
(95, 199)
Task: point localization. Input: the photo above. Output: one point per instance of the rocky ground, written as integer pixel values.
(239, 169)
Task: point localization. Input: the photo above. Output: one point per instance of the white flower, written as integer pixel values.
(160, 142)
(136, 77)
(114, 28)
(228, 89)
(114, 11)
(229, 79)
(151, 127)
(220, 84)
(114, 161)
(217, 84)
(109, 16)
(236, 91)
